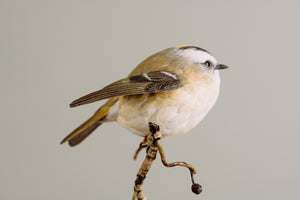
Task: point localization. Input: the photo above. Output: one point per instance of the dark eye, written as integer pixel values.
(208, 63)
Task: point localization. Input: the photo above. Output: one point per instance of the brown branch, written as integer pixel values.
(152, 151)
(196, 188)
(153, 144)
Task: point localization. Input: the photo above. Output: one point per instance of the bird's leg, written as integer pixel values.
(152, 151)
(196, 188)
(142, 145)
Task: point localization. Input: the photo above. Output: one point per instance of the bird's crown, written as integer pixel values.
(196, 55)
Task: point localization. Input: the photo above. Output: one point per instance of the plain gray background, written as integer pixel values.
(52, 52)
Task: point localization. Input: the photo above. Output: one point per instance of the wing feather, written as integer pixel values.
(152, 82)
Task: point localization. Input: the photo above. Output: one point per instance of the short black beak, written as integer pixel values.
(220, 66)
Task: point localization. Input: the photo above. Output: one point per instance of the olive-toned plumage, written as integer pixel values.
(174, 88)
(90, 125)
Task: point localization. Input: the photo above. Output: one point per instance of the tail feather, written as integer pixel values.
(79, 134)
(82, 135)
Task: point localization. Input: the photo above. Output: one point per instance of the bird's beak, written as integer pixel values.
(221, 66)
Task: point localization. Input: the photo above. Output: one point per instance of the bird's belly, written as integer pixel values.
(176, 112)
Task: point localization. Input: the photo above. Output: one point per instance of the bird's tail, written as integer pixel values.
(85, 129)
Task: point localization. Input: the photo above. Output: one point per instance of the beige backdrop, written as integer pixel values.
(55, 51)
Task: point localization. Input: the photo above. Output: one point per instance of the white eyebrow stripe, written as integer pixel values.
(169, 74)
(147, 77)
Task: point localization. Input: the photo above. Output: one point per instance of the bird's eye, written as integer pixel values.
(208, 63)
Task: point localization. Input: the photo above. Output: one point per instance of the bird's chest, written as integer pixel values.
(176, 112)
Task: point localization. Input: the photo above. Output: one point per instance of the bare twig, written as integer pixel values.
(196, 188)
(152, 150)
(153, 144)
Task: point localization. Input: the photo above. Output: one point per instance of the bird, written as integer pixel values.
(174, 88)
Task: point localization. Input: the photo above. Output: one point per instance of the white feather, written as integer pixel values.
(197, 56)
(147, 77)
(169, 74)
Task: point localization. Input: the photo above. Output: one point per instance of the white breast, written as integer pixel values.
(176, 114)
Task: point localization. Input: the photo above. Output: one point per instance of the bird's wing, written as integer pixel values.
(147, 83)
